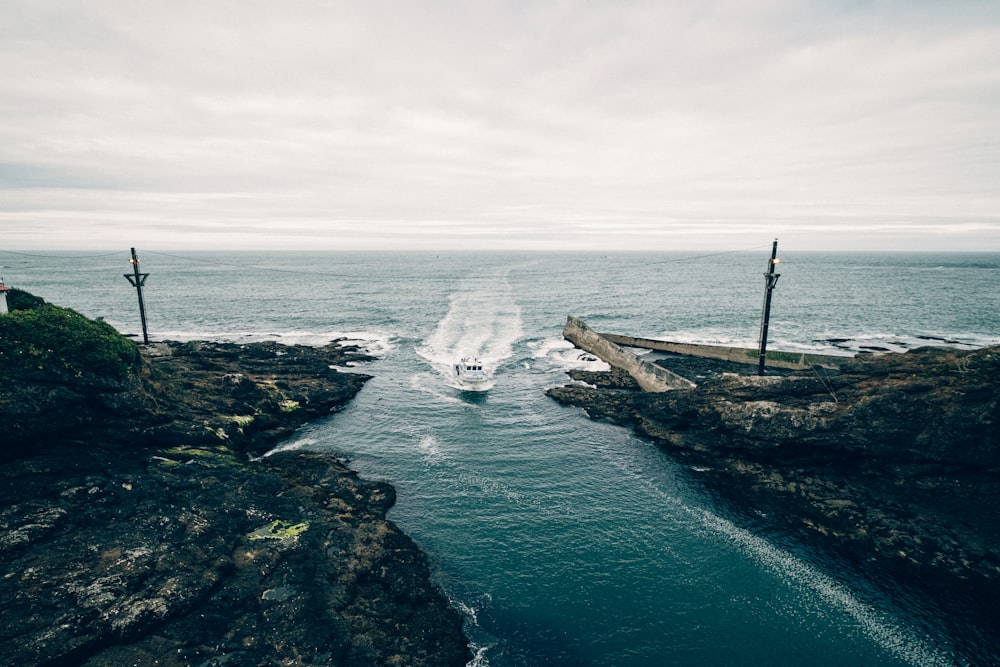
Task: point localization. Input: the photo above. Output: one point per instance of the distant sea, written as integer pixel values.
(564, 541)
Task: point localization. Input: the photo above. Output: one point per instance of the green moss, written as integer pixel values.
(784, 357)
(981, 365)
(788, 357)
(286, 531)
(212, 456)
(163, 461)
(241, 421)
(51, 338)
(218, 432)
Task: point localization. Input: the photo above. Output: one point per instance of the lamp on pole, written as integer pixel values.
(771, 279)
(138, 280)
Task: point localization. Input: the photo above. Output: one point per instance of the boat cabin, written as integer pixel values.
(470, 371)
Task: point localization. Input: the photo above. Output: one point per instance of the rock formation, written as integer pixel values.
(649, 377)
(135, 527)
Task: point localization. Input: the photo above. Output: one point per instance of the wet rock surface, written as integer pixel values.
(891, 466)
(142, 533)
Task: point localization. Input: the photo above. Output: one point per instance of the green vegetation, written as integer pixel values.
(774, 355)
(285, 531)
(787, 357)
(36, 335)
(981, 365)
(289, 405)
(18, 299)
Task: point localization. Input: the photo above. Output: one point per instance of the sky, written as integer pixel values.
(517, 124)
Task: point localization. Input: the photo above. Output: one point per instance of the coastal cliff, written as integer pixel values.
(138, 526)
(891, 465)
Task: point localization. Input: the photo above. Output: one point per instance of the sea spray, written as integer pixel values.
(483, 321)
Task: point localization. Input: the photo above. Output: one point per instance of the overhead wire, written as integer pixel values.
(524, 272)
(825, 382)
(64, 257)
(339, 274)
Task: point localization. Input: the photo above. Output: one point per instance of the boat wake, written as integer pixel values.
(897, 639)
(483, 322)
(561, 355)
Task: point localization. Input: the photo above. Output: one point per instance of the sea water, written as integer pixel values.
(564, 541)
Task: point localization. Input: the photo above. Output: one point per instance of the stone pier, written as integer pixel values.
(649, 376)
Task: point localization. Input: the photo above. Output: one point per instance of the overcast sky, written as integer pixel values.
(520, 124)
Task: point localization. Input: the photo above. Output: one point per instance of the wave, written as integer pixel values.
(426, 383)
(371, 343)
(887, 342)
(431, 448)
(479, 660)
(483, 641)
(562, 355)
(835, 344)
(292, 445)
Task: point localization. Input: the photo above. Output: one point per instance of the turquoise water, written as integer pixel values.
(564, 541)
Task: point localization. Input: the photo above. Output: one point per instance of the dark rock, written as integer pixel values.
(616, 378)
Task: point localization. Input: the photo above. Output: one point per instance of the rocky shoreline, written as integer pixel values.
(891, 466)
(138, 524)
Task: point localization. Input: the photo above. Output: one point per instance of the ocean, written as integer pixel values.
(561, 540)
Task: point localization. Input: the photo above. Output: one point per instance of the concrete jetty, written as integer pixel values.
(610, 348)
(649, 376)
(742, 355)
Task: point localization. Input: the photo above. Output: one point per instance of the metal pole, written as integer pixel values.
(138, 280)
(771, 279)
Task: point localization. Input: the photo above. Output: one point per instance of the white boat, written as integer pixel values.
(470, 372)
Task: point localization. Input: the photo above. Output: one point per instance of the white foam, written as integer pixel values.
(544, 348)
(371, 343)
(471, 612)
(482, 321)
(831, 342)
(293, 445)
(898, 640)
(563, 356)
(431, 448)
(708, 336)
(901, 641)
(479, 659)
(424, 383)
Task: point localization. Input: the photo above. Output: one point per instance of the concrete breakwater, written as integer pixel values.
(610, 348)
(649, 376)
(742, 355)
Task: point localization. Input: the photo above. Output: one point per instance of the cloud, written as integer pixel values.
(526, 124)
